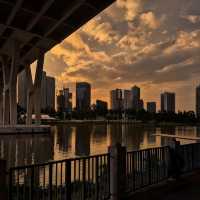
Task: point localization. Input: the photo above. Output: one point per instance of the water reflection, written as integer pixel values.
(85, 139)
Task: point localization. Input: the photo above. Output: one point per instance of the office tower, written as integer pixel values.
(198, 101)
(50, 93)
(151, 107)
(68, 100)
(22, 90)
(137, 103)
(83, 96)
(168, 102)
(127, 102)
(47, 92)
(64, 101)
(116, 98)
(60, 101)
(101, 106)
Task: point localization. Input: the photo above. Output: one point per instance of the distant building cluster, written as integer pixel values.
(126, 99)
(47, 92)
(120, 99)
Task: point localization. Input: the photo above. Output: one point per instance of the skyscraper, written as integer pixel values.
(198, 101)
(83, 96)
(47, 93)
(168, 102)
(127, 99)
(116, 99)
(151, 107)
(137, 103)
(64, 100)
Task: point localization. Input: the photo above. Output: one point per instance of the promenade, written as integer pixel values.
(186, 188)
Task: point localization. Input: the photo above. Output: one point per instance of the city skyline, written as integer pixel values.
(152, 44)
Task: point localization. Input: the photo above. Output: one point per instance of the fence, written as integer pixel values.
(146, 167)
(80, 178)
(114, 175)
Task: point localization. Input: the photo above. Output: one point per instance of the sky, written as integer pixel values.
(154, 44)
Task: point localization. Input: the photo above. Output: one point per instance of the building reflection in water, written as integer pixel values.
(68, 141)
(22, 150)
(82, 141)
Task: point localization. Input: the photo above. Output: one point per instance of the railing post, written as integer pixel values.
(3, 185)
(84, 179)
(50, 182)
(149, 165)
(68, 179)
(97, 177)
(117, 171)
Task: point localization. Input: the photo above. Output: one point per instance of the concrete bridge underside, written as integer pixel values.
(28, 29)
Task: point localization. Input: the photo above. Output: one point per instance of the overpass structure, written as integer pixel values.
(28, 29)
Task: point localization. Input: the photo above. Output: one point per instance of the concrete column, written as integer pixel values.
(13, 83)
(37, 87)
(6, 76)
(29, 107)
(1, 98)
(117, 171)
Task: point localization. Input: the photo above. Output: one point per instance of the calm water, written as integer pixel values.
(69, 141)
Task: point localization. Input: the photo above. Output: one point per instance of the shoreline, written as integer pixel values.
(128, 122)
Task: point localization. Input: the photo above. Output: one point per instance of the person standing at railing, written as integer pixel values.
(176, 161)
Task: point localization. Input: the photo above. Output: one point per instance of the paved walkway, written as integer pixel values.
(188, 188)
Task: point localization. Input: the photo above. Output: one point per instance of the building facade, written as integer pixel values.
(83, 96)
(127, 99)
(116, 99)
(168, 102)
(137, 103)
(151, 107)
(64, 101)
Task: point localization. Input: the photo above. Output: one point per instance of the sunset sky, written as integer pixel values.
(154, 44)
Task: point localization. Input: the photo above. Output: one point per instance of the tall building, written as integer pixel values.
(137, 103)
(83, 96)
(47, 92)
(198, 101)
(168, 102)
(50, 93)
(116, 98)
(64, 101)
(127, 99)
(151, 107)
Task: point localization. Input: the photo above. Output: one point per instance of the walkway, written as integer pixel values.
(185, 189)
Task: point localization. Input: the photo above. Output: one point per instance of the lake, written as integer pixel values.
(68, 141)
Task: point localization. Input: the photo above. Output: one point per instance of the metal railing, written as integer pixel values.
(151, 166)
(88, 178)
(80, 178)
(146, 167)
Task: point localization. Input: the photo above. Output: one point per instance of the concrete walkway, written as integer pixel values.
(187, 188)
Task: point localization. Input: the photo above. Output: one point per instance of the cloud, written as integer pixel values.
(155, 44)
(150, 20)
(131, 7)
